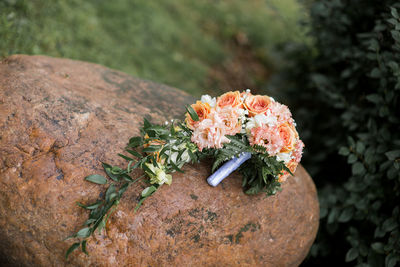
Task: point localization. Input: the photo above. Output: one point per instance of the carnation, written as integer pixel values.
(210, 133)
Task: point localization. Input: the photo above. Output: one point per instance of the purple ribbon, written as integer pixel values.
(227, 169)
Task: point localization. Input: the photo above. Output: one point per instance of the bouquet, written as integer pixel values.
(238, 130)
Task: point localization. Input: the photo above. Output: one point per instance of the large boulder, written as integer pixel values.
(60, 118)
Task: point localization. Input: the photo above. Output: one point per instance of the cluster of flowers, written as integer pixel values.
(260, 118)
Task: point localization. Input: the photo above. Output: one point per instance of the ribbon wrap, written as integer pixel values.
(227, 169)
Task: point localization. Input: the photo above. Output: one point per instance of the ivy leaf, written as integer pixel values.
(351, 255)
(392, 155)
(72, 248)
(192, 113)
(96, 178)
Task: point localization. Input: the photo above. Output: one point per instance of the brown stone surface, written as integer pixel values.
(59, 118)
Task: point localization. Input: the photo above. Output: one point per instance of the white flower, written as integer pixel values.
(158, 176)
(174, 155)
(285, 157)
(207, 99)
(260, 120)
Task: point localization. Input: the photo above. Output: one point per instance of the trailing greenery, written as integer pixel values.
(161, 150)
(345, 96)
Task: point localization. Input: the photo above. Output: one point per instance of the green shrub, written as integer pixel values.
(345, 93)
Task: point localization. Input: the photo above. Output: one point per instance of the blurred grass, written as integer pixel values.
(173, 42)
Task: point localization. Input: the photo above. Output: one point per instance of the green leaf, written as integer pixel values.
(192, 113)
(146, 124)
(176, 167)
(134, 153)
(153, 148)
(391, 260)
(84, 232)
(108, 169)
(148, 191)
(351, 255)
(90, 206)
(392, 155)
(147, 169)
(97, 179)
(358, 168)
(125, 157)
(135, 141)
(139, 204)
(344, 151)
(111, 193)
(377, 247)
(72, 248)
(346, 215)
(101, 225)
(123, 189)
(389, 224)
(84, 247)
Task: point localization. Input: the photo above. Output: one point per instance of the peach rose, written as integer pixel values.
(289, 135)
(257, 104)
(292, 166)
(230, 99)
(202, 110)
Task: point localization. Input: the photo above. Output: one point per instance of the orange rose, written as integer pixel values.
(256, 104)
(288, 135)
(202, 110)
(231, 99)
(155, 142)
(292, 165)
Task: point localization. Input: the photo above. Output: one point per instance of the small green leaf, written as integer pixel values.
(101, 225)
(84, 247)
(84, 232)
(391, 260)
(72, 248)
(97, 179)
(125, 157)
(344, 151)
(358, 168)
(123, 189)
(346, 215)
(192, 113)
(147, 169)
(153, 148)
(135, 141)
(146, 124)
(134, 153)
(351, 255)
(378, 247)
(176, 167)
(90, 206)
(392, 155)
(111, 193)
(148, 191)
